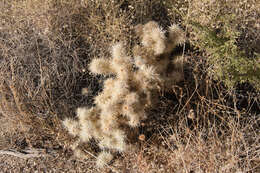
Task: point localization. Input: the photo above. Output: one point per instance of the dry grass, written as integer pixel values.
(200, 126)
(203, 149)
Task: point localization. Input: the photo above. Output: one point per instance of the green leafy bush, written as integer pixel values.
(227, 34)
(227, 62)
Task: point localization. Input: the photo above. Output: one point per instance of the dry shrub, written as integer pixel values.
(231, 148)
(45, 47)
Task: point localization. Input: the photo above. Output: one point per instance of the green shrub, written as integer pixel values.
(227, 62)
(227, 35)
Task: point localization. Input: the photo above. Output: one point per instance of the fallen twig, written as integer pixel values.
(27, 153)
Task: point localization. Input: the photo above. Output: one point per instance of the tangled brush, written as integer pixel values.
(131, 88)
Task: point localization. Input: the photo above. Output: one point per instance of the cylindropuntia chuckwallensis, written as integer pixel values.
(130, 89)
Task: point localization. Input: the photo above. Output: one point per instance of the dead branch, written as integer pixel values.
(28, 153)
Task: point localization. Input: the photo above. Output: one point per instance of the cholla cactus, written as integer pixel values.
(132, 88)
(103, 158)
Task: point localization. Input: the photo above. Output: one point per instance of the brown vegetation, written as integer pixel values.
(199, 124)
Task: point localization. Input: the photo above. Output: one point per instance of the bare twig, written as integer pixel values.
(27, 153)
